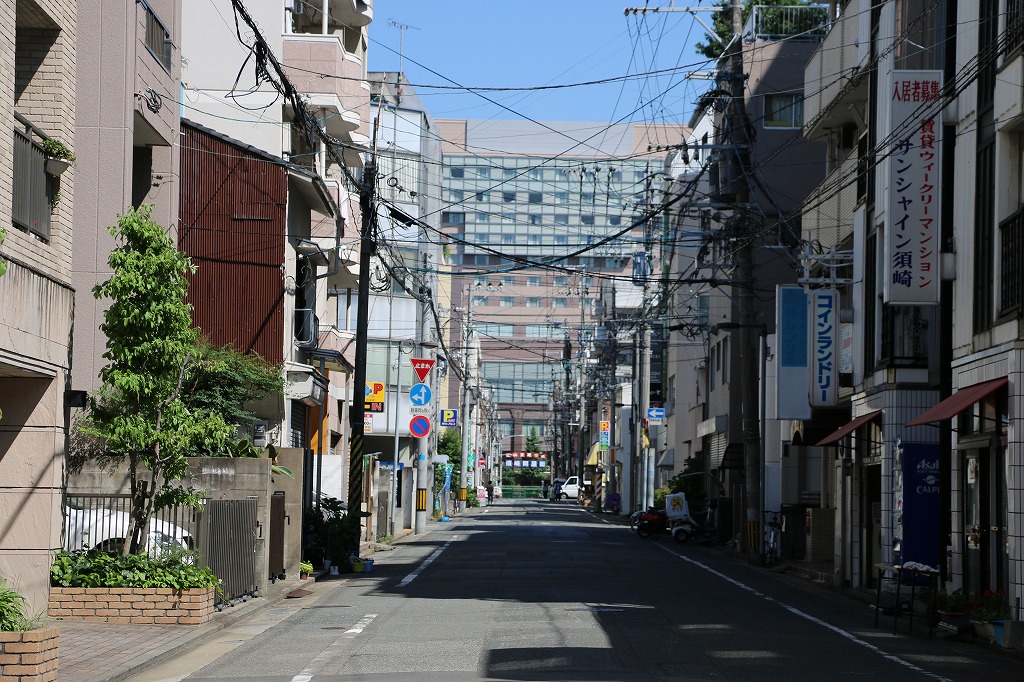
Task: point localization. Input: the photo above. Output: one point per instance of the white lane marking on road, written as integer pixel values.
(314, 666)
(361, 625)
(817, 621)
(412, 576)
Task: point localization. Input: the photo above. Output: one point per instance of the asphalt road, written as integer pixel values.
(534, 590)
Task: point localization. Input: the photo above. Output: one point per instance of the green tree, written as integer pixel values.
(225, 381)
(532, 440)
(712, 47)
(138, 415)
(449, 443)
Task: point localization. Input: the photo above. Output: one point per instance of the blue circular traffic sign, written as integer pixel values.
(419, 426)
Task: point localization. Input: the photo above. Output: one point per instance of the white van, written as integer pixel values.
(571, 487)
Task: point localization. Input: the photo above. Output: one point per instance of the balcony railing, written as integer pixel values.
(1011, 259)
(1014, 25)
(790, 22)
(31, 209)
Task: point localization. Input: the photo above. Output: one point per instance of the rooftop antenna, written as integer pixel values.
(401, 50)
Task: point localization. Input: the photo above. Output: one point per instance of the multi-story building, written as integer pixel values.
(928, 100)
(37, 301)
(742, 180)
(321, 135)
(545, 219)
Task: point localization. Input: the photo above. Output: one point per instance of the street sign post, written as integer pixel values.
(655, 416)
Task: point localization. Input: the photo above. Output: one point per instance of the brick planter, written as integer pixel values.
(154, 605)
(30, 655)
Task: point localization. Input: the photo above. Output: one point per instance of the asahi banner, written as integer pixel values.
(914, 193)
(824, 344)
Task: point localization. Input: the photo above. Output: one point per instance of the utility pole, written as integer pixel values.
(366, 250)
(466, 408)
(739, 189)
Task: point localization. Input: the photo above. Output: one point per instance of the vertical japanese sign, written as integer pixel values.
(914, 194)
(792, 337)
(824, 328)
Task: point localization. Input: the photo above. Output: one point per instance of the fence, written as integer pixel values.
(221, 532)
(521, 492)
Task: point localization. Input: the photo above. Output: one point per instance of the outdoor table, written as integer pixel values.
(914, 575)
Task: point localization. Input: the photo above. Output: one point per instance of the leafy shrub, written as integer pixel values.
(12, 610)
(95, 568)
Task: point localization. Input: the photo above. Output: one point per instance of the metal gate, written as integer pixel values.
(275, 549)
(227, 544)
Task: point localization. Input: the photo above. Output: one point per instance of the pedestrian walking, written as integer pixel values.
(490, 492)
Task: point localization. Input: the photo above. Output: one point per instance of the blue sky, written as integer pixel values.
(531, 43)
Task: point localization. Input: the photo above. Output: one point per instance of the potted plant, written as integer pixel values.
(58, 156)
(991, 608)
(305, 568)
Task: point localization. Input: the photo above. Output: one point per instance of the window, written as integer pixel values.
(508, 281)
(508, 197)
(536, 174)
(495, 329)
(480, 281)
(615, 220)
(482, 237)
(536, 219)
(544, 331)
(508, 239)
(457, 172)
(480, 301)
(508, 173)
(712, 371)
(534, 239)
(158, 38)
(616, 176)
(506, 301)
(533, 281)
(559, 303)
(448, 218)
(508, 217)
(561, 239)
(587, 219)
(483, 217)
(783, 111)
(480, 196)
(561, 220)
(561, 281)
(536, 197)
(587, 197)
(533, 302)
(456, 195)
(561, 197)
(482, 172)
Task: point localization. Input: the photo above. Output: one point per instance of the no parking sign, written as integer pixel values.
(419, 426)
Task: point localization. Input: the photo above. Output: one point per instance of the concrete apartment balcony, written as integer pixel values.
(342, 95)
(828, 218)
(835, 85)
(341, 341)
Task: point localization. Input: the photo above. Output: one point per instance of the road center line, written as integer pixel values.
(817, 621)
(412, 576)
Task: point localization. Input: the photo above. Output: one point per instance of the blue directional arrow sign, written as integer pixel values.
(655, 412)
(420, 395)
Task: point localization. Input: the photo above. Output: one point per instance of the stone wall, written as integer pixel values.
(153, 606)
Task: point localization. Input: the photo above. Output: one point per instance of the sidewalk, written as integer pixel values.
(105, 652)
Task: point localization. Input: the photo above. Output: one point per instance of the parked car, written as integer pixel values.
(106, 530)
(571, 487)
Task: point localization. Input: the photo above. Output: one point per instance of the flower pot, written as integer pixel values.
(358, 567)
(55, 166)
(985, 629)
(303, 575)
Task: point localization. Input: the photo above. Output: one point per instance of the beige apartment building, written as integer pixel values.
(37, 101)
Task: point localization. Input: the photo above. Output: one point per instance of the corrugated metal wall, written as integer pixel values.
(232, 209)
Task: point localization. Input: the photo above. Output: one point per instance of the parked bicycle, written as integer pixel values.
(774, 527)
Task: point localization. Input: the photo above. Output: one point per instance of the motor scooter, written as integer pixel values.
(689, 526)
(647, 523)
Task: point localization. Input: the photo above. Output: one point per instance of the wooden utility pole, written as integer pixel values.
(743, 232)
